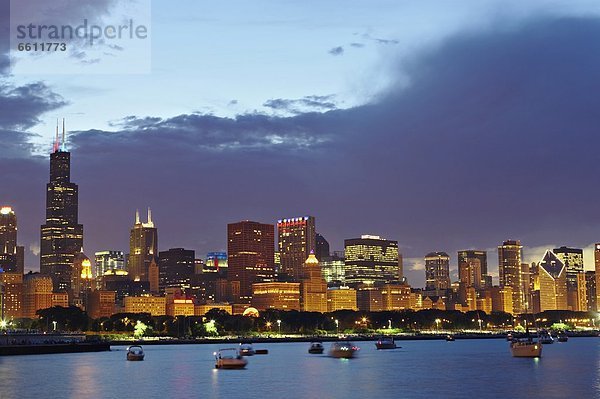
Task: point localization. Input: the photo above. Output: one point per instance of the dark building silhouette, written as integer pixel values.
(176, 268)
(143, 247)
(251, 256)
(62, 235)
(296, 241)
(321, 247)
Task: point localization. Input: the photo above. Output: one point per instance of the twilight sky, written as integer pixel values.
(445, 125)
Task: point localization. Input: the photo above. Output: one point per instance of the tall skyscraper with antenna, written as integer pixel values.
(143, 247)
(62, 235)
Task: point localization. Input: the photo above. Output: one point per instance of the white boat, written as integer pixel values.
(526, 348)
(343, 349)
(135, 352)
(246, 350)
(316, 348)
(385, 343)
(229, 358)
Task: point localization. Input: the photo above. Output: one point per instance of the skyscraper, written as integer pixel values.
(553, 283)
(437, 271)
(509, 265)
(321, 247)
(8, 239)
(572, 258)
(143, 247)
(62, 235)
(371, 259)
(297, 238)
(313, 290)
(597, 272)
(108, 260)
(472, 266)
(251, 259)
(176, 268)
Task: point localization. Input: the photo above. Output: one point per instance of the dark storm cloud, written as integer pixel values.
(339, 50)
(495, 137)
(302, 105)
(21, 106)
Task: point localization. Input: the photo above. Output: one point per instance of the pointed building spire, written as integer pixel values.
(137, 216)
(149, 216)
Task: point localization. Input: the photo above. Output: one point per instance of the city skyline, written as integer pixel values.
(443, 136)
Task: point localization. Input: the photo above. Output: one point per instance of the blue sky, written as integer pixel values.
(443, 125)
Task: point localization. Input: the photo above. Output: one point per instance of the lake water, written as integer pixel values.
(420, 369)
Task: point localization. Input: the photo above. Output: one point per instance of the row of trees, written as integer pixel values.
(272, 322)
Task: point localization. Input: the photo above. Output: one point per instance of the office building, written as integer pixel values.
(37, 294)
(61, 235)
(321, 247)
(369, 298)
(108, 260)
(572, 258)
(176, 268)
(155, 305)
(472, 267)
(101, 303)
(371, 259)
(552, 283)
(437, 272)
(297, 238)
(395, 296)
(510, 270)
(251, 259)
(334, 269)
(341, 298)
(590, 290)
(143, 247)
(276, 295)
(12, 295)
(8, 240)
(313, 296)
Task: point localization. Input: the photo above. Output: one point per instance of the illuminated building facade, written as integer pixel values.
(313, 297)
(108, 260)
(155, 305)
(216, 262)
(143, 247)
(61, 235)
(11, 255)
(369, 299)
(472, 267)
(341, 298)
(101, 303)
(371, 259)
(297, 238)
(251, 256)
(437, 271)
(572, 258)
(12, 298)
(176, 268)
(552, 283)
(201, 310)
(590, 290)
(502, 299)
(276, 295)
(334, 269)
(395, 296)
(510, 270)
(37, 294)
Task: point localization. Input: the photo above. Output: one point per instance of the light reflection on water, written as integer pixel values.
(421, 369)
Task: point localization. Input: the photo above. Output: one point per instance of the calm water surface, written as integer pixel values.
(420, 369)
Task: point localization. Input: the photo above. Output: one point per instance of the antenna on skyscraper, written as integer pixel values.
(63, 146)
(55, 146)
(149, 216)
(137, 216)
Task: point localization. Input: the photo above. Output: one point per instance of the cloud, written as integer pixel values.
(367, 36)
(302, 105)
(339, 50)
(494, 137)
(21, 106)
(357, 45)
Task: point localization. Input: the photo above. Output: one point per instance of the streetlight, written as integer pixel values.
(337, 326)
(390, 324)
(54, 323)
(279, 326)
(269, 326)
(437, 322)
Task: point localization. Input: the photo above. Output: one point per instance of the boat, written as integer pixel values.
(450, 338)
(525, 348)
(510, 337)
(545, 338)
(343, 349)
(316, 348)
(229, 358)
(246, 350)
(562, 337)
(386, 343)
(135, 352)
